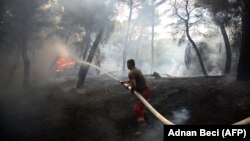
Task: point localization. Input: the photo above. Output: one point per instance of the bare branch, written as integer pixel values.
(195, 23)
(192, 10)
(177, 13)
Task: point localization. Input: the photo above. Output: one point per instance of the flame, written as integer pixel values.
(63, 63)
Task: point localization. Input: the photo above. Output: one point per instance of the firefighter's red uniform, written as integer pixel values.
(142, 88)
(139, 107)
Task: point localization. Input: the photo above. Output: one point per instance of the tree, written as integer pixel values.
(154, 5)
(244, 61)
(96, 19)
(18, 25)
(132, 4)
(147, 17)
(224, 14)
(84, 68)
(206, 54)
(185, 19)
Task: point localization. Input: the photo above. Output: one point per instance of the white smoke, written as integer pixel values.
(180, 116)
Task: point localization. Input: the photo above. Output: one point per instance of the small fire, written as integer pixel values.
(63, 63)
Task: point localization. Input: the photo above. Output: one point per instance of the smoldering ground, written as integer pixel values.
(51, 109)
(102, 110)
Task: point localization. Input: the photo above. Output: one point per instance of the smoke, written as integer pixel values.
(169, 58)
(155, 130)
(153, 133)
(213, 56)
(95, 12)
(180, 116)
(43, 60)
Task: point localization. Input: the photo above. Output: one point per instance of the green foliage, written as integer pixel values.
(222, 11)
(18, 19)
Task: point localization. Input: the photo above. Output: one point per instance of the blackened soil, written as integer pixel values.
(102, 109)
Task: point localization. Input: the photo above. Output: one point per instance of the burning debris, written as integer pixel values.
(63, 63)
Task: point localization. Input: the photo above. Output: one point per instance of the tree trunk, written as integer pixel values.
(86, 44)
(26, 62)
(84, 68)
(244, 61)
(196, 50)
(127, 37)
(228, 49)
(152, 40)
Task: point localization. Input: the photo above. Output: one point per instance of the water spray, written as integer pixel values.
(145, 102)
(94, 66)
(138, 95)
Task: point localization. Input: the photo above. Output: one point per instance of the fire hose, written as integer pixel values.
(150, 108)
(163, 119)
(243, 122)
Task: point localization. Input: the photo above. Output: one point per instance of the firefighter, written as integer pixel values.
(138, 83)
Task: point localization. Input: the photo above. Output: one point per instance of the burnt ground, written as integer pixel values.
(102, 109)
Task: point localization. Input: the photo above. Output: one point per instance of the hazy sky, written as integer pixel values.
(175, 59)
